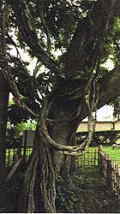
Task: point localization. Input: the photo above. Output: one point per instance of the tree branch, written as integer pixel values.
(12, 85)
(109, 89)
(30, 36)
(110, 86)
(88, 41)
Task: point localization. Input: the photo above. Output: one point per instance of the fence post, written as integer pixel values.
(109, 173)
(25, 144)
(95, 157)
(99, 157)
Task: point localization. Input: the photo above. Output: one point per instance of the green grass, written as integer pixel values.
(90, 157)
(11, 155)
(114, 154)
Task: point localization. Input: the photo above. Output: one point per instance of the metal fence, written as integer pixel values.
(21, 148)
(14, 154)
(89, 158)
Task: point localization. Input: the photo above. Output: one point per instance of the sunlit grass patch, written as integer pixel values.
(113, 154)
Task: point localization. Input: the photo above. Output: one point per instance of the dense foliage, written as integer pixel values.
(48, 30)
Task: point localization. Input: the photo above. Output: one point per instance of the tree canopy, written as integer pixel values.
(72, 39)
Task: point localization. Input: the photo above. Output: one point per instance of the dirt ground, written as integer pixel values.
(90, 194)
(87, 193)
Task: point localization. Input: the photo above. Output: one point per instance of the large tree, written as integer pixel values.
(4, 87)
(84, 34)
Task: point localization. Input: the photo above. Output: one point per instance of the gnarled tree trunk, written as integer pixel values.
(46, 161)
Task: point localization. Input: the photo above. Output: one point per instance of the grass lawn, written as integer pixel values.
(114, 154)
(90, 157)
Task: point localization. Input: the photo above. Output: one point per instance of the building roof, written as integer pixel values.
(100, 126)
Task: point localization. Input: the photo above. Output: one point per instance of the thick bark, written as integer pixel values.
(64, 124)
(4, 94)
